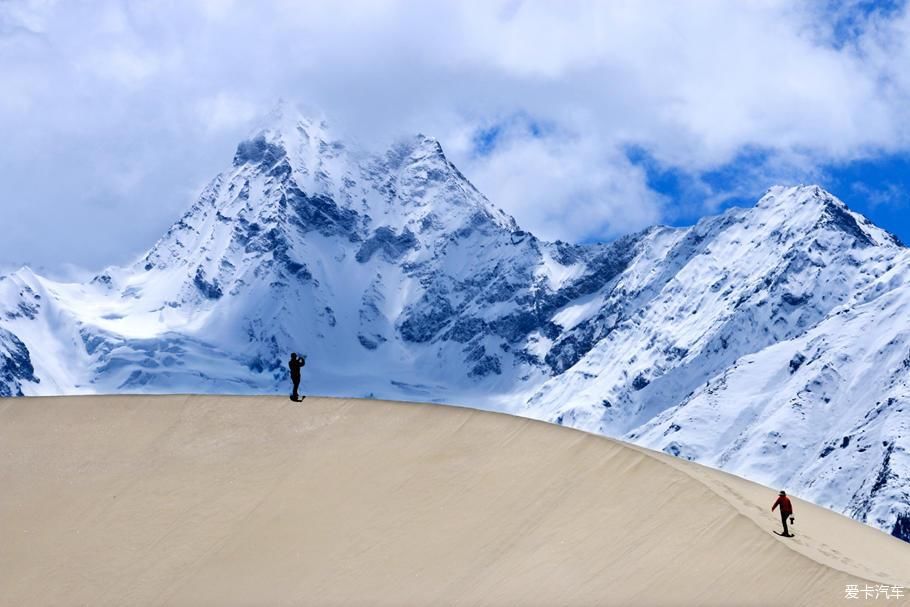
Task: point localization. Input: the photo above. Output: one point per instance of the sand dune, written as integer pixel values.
(204, 500)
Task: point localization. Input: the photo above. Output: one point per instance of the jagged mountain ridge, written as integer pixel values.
(399, 279)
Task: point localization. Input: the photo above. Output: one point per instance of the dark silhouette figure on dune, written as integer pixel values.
(295, 364)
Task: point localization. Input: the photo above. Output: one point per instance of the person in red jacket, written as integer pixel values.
(786, 511)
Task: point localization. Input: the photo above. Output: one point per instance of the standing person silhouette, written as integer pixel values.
(786, 510)
(295, 364)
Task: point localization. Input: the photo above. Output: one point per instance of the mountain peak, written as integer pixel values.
(414, 148)
(290, 118)
(286, 127)
(780, 195)
(291, 139)
(815, 207)
(424, 141)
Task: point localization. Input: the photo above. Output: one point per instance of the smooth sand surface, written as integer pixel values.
(207, 500)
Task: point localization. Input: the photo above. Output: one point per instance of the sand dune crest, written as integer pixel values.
(206, 500)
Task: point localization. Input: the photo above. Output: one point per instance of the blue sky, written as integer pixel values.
(877, 186)
(583, 119)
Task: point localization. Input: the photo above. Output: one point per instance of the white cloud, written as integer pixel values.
(217, 9)
(93, 90)
(24, 16)
(123, 66)
(560, 184)
(225, 111)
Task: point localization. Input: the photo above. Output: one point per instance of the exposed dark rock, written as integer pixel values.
(15, 365)
(258, 151)
(24, 310)
(466, 328)
(567, 254)
(640, 382)
(836, 216)
(370, 342)
(515, 326)
(795, 300)
(252, 237)
(902, 527)
(320, 213)
(479, 221)
(281, 170)
(796, 362)
(393, 246)
(569, 350)
(884, 473)
(826, 451)
(485, 364)
(673, 428)
(423, 321)
(209, 290)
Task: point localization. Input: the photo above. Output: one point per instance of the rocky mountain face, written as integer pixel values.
(770, 341)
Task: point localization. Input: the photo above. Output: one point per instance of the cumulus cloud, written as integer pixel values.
(557, 182)
(113, 111)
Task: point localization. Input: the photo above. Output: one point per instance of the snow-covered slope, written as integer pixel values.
(696, 299)
(399, 279)
(827, 412)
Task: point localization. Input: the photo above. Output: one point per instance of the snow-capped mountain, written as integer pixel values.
(826, 411)
(768, 341)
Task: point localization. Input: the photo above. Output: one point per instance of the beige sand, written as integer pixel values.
(208, 500)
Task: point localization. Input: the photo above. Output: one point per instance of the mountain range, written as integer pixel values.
(772, 341)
